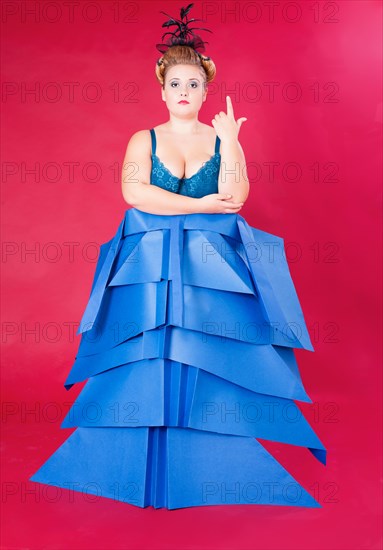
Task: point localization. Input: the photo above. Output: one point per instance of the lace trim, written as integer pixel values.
(203, 182)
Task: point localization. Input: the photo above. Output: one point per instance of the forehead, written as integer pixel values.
(184, 72)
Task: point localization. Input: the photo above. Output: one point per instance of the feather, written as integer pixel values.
(183, 34)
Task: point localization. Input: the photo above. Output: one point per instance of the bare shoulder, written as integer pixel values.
(208, 128)
(140, 139)
(137, 161)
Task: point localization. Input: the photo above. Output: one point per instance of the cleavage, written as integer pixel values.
(197, 168)
(203, 165)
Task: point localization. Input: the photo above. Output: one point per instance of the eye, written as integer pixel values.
(194, 84)
(171, 84)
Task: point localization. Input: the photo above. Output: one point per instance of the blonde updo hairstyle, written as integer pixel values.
(184, 55)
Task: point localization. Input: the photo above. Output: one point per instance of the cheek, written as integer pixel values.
(171, 94)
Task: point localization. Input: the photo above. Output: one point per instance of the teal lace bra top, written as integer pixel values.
(204, 182)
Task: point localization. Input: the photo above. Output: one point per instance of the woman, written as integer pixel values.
(188, 335)
(183, 144)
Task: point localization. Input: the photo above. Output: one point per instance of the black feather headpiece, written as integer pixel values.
(183, 34)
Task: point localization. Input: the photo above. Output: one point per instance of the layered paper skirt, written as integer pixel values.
(187, 347)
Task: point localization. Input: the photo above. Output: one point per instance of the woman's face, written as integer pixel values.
(184, 83)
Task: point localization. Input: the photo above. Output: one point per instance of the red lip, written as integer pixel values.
(183, 101)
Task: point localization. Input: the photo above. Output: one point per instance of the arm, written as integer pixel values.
(233, 173)
(233, 177)
(137, 189)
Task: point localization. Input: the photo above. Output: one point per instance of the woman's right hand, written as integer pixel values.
(219, 203)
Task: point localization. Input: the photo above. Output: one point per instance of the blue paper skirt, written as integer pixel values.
(187, 342)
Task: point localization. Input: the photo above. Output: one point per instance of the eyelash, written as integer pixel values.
(196, 84)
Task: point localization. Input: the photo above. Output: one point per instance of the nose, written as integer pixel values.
(184, 92)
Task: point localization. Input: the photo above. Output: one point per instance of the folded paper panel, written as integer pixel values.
(259, 368)
(127, 250)
(147, 345)
(232, 315)
(125, 312)
(263, 368)
(90, 365)
(103, 253)
(159, 392)
(273, 281)
(222, 407)
(92, 309)
(171, 467)
(140, 261)
(207, 254)
(212, 469)
(128, 396)
(99, 461)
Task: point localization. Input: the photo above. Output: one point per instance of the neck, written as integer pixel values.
(186, 126)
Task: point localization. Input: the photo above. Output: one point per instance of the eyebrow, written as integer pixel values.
(174, 78)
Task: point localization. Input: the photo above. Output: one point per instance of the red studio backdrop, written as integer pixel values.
(77, 81)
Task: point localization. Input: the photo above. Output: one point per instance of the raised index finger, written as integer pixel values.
(229, 105)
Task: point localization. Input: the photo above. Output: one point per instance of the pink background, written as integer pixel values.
(329, 217)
